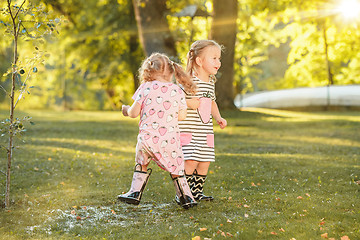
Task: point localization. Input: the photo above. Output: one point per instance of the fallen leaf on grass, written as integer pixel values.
(253, 184)
(203, 229)
(196, 238)
(324, 235)
(229, 221)
(273, 233)
(229, 234)
(221, 233)
(246, 206)
(281, 230)
(322, 223)
(73, 212)
(308, 195)
(299, 197)
(345, 238)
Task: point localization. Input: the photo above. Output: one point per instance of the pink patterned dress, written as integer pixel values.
(159, 137)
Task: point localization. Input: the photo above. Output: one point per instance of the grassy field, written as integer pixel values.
(277, 175)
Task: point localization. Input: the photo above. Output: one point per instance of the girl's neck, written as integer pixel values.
(163, 80)
(203, 76)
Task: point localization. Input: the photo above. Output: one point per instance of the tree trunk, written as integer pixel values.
(154, 32)
(223, 31)
(16, 28)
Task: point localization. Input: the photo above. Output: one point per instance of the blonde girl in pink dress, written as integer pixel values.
(160, 104)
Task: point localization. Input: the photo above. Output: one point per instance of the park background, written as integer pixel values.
(279, 174)
(93, 55)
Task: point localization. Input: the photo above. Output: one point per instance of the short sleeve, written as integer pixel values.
(182, 104)
(139, 94)
(213, 96)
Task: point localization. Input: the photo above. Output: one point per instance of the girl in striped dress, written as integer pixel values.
(196, 131)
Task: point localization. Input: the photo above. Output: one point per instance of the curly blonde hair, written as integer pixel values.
(159, 65)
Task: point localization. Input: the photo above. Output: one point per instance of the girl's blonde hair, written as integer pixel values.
(196, 49)
(159, 65)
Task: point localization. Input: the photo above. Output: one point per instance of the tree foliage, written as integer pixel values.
(279, 44)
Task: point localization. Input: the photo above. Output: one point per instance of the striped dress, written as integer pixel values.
(196, 131)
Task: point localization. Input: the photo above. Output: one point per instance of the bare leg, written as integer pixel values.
(144, 167)
(202, 168)
(190, 166)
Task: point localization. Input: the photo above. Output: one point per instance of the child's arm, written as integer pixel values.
(216, 114)
(193, 103)
(132, 111)
(182, 114)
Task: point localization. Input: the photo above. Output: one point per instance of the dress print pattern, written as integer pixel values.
(196, 131)
(159, 137)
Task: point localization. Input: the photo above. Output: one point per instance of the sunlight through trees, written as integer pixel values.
(277, 45)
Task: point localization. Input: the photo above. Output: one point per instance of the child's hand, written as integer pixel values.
(193, 103)
(222, 123)
(125, 109)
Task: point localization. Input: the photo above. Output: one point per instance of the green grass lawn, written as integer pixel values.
(277, 175)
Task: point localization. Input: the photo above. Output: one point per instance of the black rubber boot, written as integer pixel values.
(139, 181)
(197, 186)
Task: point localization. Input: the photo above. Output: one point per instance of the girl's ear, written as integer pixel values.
(198, 61)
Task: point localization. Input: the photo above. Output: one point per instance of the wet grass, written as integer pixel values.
(277, 175)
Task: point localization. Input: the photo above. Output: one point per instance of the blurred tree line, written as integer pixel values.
(272, 44)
